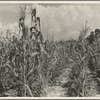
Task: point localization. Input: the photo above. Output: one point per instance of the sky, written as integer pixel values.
(64, 21)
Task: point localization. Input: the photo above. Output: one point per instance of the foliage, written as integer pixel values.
(23, 73)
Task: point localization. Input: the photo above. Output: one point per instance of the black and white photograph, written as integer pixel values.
(49, 49)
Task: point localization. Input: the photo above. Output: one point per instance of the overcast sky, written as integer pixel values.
(63, 21)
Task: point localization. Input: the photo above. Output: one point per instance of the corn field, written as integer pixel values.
(33, 67)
